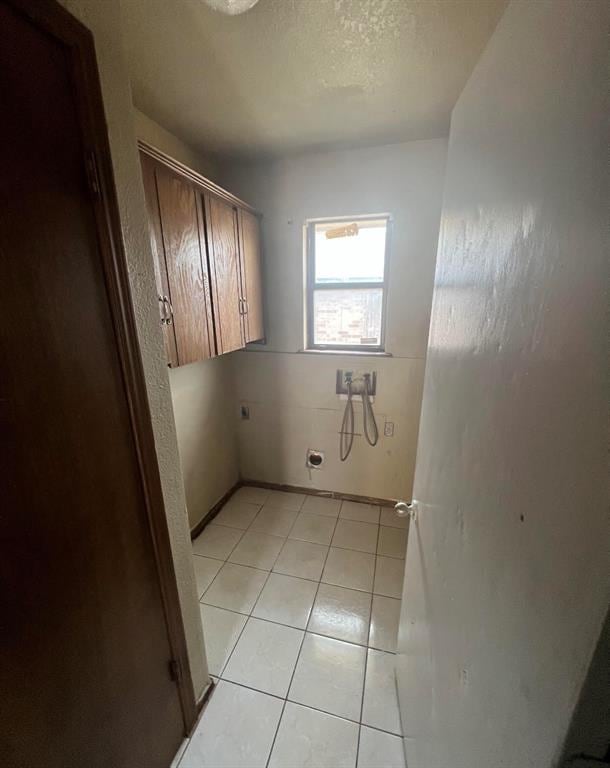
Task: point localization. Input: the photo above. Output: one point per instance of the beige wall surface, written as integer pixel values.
(153, 133)
(293, 407)
(103, 19)
(205, 410)
(507, 579)
(292, 398)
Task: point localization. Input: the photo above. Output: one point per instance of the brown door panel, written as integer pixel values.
(84, 641)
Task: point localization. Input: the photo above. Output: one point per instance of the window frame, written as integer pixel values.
(311, 286)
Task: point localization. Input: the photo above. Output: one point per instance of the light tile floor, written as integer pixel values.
(300, 600)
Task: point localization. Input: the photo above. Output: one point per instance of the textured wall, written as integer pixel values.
(507, 579)
(301, 74)
(103, 20)
(291, 396)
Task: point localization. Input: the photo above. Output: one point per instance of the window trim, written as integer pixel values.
(311, 286)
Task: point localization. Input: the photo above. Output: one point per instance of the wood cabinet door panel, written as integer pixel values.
(223, 253)
(183, 256)
(156, 244)
(205, 264)
(251, 275)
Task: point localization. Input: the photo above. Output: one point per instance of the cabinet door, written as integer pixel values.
(251, 275)
(223, 252)
(185, 261)
(156, 243)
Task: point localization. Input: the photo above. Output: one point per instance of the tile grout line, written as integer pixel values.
(226, 560)
(287, 535)
(249, 615)
(223, 667)
(304, 706)
(301, 578)
(240, 634)
(315, 709)
(230, 656)
(310, 706)
(305, 631)
(337, 519)
(301, 629)
(305, 541)
(315, 597)
(366, 658)
(318, 581)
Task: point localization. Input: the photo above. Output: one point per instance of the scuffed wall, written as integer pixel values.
(103, 19)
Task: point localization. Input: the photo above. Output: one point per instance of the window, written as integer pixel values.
(346, 283)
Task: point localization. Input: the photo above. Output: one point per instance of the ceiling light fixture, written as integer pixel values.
(231, 7)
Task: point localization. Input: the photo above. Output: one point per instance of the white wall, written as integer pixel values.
(507, 578)
(291, 396)
(205, 410)
(103, 19)
(202, 393)
(156, 135)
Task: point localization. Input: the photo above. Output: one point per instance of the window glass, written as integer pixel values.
(348, 317)
(346, 283)
(356, 257)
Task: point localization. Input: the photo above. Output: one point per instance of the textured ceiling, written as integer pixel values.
(291, 75)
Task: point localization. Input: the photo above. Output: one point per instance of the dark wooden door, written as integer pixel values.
(186, 265)
(223, 252)
(156, 243)
(251, 275)
(84, 645)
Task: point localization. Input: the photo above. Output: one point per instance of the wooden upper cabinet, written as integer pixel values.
(251, 275)
(223, 252)
(207, 253)
(156, 243)
(186, 266)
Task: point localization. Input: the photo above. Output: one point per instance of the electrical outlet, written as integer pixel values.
(388, 429)
(244, 412)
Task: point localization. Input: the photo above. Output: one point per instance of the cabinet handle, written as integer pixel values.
(169, 318)
(240, 304)
(163, 312)
(246, 306)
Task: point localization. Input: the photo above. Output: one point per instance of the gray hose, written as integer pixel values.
(346, 436)
(367, 413)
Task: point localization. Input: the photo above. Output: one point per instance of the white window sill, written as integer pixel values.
(343, 353)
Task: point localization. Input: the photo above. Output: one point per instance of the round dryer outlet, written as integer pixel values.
(315, 459)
